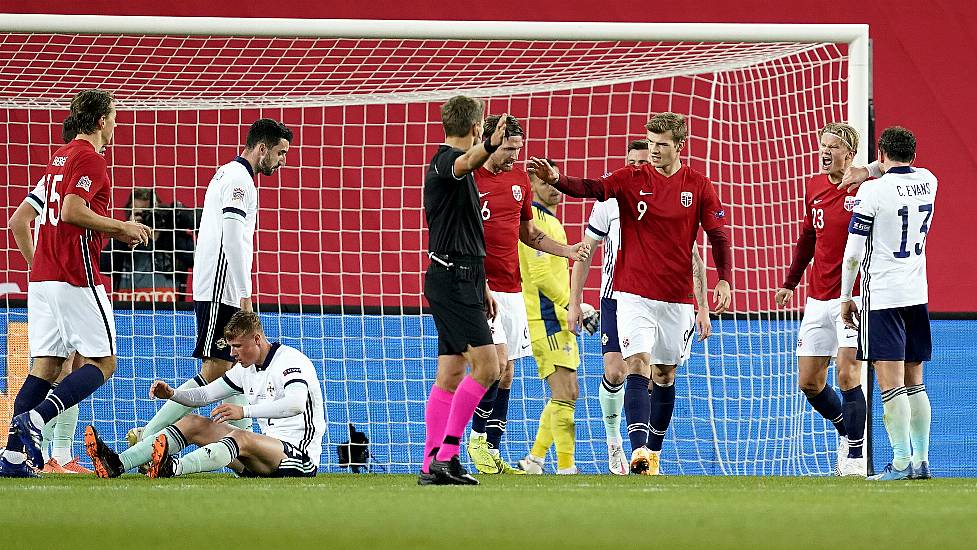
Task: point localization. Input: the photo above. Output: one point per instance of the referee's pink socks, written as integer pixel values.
(467, 396)
(435, 419)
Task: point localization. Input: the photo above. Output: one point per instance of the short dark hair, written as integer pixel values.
(512, 127)
(68, 131)
(459, 113)
(898, 143)
(142, 194)
(638, 145)
(87, 108)
(267, 131)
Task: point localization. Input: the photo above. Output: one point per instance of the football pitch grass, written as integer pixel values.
(519, 512)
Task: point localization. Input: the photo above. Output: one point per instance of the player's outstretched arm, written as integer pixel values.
(194, 397)
(703, 323)
(578, 277)
(75, 211)
(531, 236)
(475, 157)
(574, 187)
(291, 404)
(20, 226)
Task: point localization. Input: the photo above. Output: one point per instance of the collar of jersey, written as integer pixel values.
(543, 208)
(269, 357)
(900, 170)
(245, 163)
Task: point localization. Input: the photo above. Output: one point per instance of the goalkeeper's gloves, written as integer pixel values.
(589, 318)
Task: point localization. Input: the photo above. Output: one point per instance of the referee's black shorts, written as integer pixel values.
(456, 295)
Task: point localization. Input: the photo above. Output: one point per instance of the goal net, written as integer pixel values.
(341, 232)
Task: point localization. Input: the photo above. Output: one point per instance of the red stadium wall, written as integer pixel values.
(929, 94)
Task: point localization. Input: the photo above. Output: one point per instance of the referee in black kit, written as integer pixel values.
(456, 289)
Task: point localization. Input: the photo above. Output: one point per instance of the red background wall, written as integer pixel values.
(924, 77)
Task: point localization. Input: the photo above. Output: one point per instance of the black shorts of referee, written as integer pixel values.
(455, 289)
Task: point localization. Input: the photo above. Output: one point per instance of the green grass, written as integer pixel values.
(526, 513)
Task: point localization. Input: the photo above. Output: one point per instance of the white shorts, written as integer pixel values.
(822, 331)
(511, 326)
(662, 329)
(62, 318)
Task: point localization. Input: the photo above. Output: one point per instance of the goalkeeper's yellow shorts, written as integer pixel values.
(556, 350)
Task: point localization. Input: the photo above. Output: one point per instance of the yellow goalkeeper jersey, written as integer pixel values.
(545, 279)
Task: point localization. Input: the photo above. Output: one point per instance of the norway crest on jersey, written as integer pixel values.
(517, 193)
(686, 198)
(849, 203)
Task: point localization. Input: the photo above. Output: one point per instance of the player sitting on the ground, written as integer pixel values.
(604, 226)
(507, 219)
(283, 395)
(887, 239)
(822, 334)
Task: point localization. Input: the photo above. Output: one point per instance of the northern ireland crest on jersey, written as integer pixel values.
(686, 198)
(517, 193)
(849, 203)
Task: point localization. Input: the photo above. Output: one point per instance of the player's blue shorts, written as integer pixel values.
(608, 326)
(896, 334)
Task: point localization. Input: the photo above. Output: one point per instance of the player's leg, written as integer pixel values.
(662, 404)
(86, 324)
(451, 370)
(853, 408)
(191, 429)
(883, 341)
(497, 421)
(919, 348)
(535, 460)
(478, 445)
(53, 463)
(485, 371)
(636, 330)
(564, 390)
(817, 342)
(611, 393)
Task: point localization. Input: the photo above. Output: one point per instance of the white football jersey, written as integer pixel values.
(284, 365)
(230, 194)
(895, 213)
(605, 225)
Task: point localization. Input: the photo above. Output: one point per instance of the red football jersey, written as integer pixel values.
(828, 213)
(660, 218)
(506, 200)
(66, 252)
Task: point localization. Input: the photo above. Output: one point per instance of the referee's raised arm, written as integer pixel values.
(476, 156)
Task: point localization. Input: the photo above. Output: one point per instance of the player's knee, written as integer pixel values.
(212, 368)
(810, 387)
(663, 377)
(191, 425)
(505, 380)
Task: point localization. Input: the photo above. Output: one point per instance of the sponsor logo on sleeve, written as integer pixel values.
(292, 370)
(686, 198)
(85, 183)
(605, 176)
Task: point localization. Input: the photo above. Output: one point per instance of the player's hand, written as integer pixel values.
(246, 304)
(854, 176)
(134, 233)
(783, 296)
(543, 170)
(703, 324)
(226, 412)
(161, 390)
(498, 136)
(721, 297)
(850, 315)
(574, 316)
(579, 252)
(589, 318)
(491, 308)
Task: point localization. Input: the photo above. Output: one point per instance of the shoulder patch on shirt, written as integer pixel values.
(85, 183)
(292, 370)
(237, 194)
(719, 214)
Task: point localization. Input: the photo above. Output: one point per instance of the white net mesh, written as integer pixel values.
(341, 229)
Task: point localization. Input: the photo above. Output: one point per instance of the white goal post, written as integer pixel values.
(341, 234)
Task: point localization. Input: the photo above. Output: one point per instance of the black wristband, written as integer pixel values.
(489, 148)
